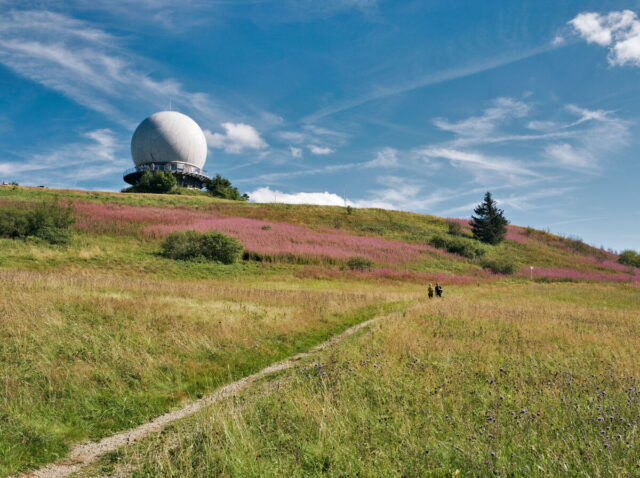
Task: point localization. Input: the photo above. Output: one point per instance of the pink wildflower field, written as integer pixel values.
(259, 237)
(281, 239)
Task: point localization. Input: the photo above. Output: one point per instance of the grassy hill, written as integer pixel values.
(104, 333)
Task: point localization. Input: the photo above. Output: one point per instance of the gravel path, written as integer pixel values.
(88, 452)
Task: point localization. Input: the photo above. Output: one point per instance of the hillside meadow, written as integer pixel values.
(104, 333)
(497, 380)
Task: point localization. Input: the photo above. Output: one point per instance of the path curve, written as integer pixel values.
(86, 453)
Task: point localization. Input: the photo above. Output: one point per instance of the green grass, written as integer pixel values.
(104, 333)
(86, 354)
(502, 380)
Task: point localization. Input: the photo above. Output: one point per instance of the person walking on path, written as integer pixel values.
(438, 290)
(430, 291)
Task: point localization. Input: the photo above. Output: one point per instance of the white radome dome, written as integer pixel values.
(167, 137)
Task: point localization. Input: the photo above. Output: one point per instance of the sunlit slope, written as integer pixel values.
(396, 242)
(499, 380)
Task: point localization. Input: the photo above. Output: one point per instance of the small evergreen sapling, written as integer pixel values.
(489, 224)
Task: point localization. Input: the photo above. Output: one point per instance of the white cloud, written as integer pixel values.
(619, 31)
(385, 158)
(295, 152)
(236, 138)
(319, 198)
(268, 195)
(567, 155)
(320, 150)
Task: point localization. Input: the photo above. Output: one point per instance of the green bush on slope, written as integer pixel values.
(48, 221)
(214, 246)
(458, 245)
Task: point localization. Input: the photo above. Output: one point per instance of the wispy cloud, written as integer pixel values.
(383, 91)
(320, 150)
(618, 31)
(91, 67)
(95, 156)
(483, 167)
(580, 143)
(295, 152)
(317, 140)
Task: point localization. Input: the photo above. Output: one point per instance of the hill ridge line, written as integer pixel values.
(86, 453)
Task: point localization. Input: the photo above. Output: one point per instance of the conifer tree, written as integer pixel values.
(489, 224)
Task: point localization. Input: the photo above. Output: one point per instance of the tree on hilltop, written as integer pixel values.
(222, 188)
(489, 224)
(159, 182)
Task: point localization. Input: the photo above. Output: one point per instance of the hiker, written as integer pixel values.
(438, 290)
(430, 291)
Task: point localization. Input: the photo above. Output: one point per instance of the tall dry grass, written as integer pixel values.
(499, 380)
(84, 354)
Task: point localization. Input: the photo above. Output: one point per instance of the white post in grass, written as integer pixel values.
(531, 272)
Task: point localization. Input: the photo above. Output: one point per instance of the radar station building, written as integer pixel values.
(169, 141)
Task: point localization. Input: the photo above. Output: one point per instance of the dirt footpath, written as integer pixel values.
(88, 452)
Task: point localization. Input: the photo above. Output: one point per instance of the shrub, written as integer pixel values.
(50, 222)
(500, 265)
(454, 228)
(358, 263)
(159, 182)
(629, 258)
(458, 245)
(213, 246)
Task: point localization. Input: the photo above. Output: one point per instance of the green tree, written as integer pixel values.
(221, 188)
(489, 224)
(160, 182)
(629, 258)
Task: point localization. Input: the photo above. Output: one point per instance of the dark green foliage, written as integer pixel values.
(358, 263)
(221, 188)
(159, 182)
(576, 244)
(454, 228)
(48, 221)
(500, 265)
(458, 245)
(213, 246)
(489, 224)
(629, 258)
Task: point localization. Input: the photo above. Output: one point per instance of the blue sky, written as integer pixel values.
(413, 105)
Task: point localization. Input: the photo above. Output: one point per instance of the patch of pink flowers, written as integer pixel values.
(111, 219)
(280, 239)
(516, 234)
